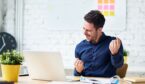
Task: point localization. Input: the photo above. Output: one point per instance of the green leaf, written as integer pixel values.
(125, 53)
(11, 57)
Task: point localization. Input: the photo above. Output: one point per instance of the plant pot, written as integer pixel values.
(10, 72)
(125, 59)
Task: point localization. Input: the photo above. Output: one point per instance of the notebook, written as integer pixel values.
(44, 65)
(135, 79)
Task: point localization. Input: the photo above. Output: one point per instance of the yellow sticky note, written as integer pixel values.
(112, 13)
(106, 13)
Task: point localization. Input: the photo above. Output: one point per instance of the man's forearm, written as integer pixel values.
(117, 60)
(76, 73)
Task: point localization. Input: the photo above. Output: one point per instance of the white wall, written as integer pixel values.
(133, 37)
(37, 36)
(1, 20)
(7, 9)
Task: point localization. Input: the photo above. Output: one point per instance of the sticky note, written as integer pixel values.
(106, 13)
(106, 1)
(100, 1)
(111, 7)
(112, 1)
(112, 13)
(100, 7)
(106, 7)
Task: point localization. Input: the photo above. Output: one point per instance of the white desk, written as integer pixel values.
(27, 80)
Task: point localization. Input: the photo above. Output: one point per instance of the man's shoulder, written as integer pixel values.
(83, 42)
(111, 37)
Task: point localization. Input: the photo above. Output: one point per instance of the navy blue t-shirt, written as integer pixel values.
(97, 58)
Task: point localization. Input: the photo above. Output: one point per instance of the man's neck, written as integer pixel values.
(97, 39)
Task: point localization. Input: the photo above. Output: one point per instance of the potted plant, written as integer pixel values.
(125, 54)
(10, 65)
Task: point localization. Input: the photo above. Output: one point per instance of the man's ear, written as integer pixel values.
(100, 29)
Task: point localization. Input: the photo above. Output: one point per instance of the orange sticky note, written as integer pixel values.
(100, 1)
(112, 1)
(106, 1)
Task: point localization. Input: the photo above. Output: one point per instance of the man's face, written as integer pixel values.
(91, 33)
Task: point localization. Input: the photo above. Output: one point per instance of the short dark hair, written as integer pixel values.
(95, 17)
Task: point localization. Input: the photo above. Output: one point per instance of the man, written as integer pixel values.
(99, 55)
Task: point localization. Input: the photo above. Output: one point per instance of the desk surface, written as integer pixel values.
(27, 80)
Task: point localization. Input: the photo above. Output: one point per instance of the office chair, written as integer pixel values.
(121, 72)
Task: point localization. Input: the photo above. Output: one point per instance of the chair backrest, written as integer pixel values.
(121, 72)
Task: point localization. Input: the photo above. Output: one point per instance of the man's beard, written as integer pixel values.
(93, 41)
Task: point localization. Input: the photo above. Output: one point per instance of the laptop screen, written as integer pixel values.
(44, 65)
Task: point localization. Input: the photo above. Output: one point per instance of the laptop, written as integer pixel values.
(44, 65)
